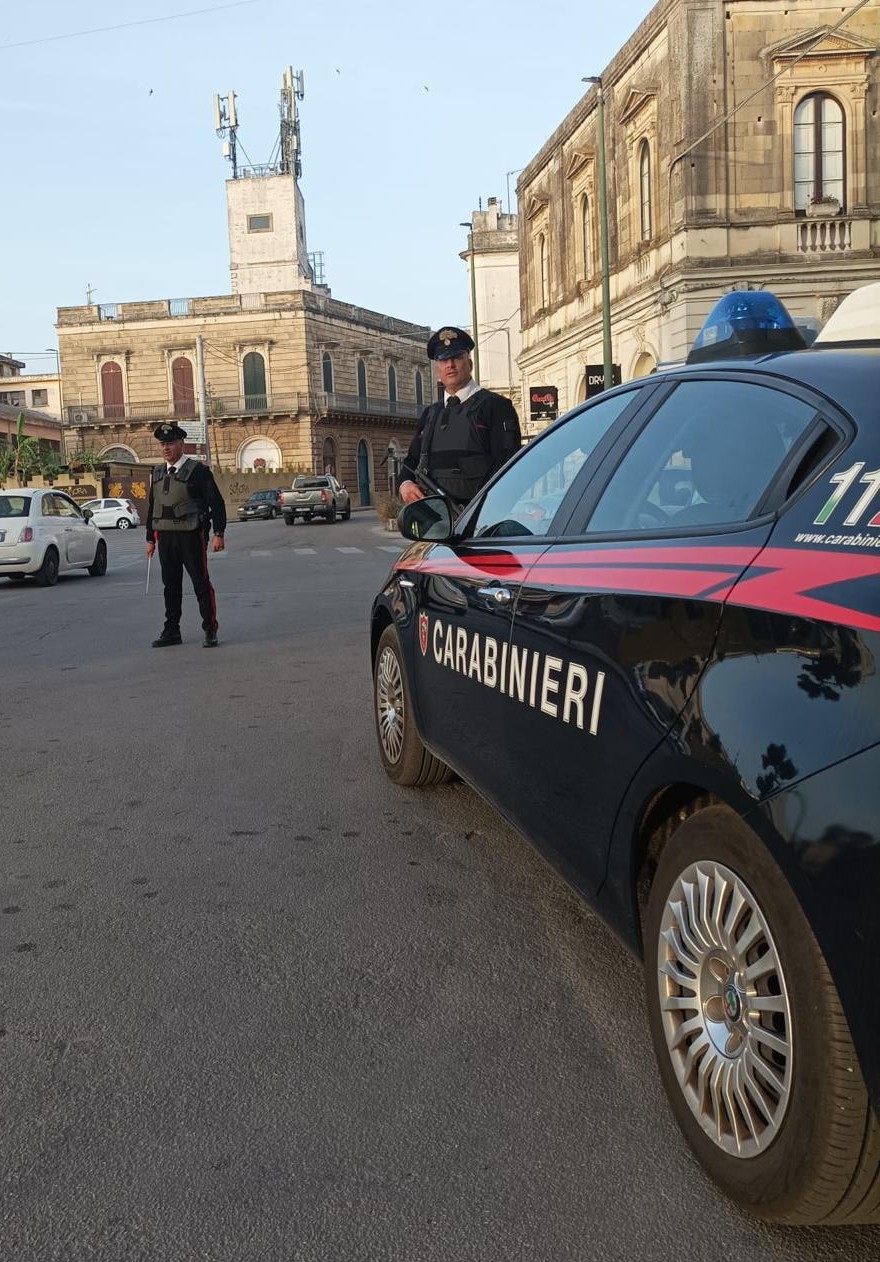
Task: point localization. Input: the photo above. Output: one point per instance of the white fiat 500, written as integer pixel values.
(43, 533)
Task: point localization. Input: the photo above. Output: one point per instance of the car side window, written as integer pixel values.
(526, 499)
(47, 508)
(65, 507)
(705, 458)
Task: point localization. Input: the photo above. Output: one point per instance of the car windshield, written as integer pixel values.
(259, 496)
(306, 484)
(15, 505)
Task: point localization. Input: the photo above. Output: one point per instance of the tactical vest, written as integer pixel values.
(173, 505)
(458, 458)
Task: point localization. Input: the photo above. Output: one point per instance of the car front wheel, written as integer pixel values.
(750, 1036)
(98, 568)
(47, 574)
(404, 757)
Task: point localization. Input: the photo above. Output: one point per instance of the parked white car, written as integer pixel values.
(119, 513)
(43, 533)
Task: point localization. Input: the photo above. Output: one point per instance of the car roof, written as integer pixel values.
(849, 376)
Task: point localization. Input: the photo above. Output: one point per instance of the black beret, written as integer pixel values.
(449, 342)
(168, 431)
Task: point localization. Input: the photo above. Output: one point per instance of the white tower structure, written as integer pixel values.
(264, 204)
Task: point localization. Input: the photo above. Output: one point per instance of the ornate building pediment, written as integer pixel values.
(820, 45)
(537, 203)
(577, 160)
(636, 100)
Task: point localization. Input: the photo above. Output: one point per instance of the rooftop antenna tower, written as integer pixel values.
(292, 90)
(226, 127)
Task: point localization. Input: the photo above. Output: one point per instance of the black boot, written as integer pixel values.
(210, 640)
(166, 638)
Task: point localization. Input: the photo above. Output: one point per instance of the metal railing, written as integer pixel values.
(229, 407)
(328, 404)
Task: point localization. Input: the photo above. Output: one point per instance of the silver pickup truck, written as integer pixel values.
(318, 495)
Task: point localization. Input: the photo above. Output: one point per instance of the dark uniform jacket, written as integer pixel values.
(464, 444)
(201, 488)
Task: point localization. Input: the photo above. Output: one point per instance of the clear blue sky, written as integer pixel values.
(113, 177)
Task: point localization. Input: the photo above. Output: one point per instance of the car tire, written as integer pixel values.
(123, 524)
(47, 574)
(288, 521)
(346, 516)
(272, 514)
(98, 568)
(404, 757)
(331, 516)
(761, 1073)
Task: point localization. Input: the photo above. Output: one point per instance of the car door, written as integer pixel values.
(629, 602)
(79, 536)
(469, 690)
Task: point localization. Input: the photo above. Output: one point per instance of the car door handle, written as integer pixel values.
(499, 595)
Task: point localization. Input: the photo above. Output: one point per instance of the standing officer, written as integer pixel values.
(466, 435)
(184, 503)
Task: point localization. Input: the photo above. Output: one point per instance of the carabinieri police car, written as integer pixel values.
(652, 642)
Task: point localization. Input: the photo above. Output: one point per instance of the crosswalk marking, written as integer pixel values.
(303, 552)
(348, 549)
(396, 549)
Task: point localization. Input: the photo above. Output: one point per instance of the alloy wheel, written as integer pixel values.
(390, 704)
(725, 1009)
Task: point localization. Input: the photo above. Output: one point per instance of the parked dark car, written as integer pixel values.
(669, 682)
(264, 504)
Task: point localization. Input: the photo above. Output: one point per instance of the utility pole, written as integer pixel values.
(203, 395)
(608, 367)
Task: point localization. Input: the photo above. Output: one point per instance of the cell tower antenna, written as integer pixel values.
(226, 127)
(292, 90)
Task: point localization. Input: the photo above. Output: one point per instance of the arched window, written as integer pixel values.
(362, 379)
(392, 384)
(259, 453)
(182, 389)
(645, 191)
(327, 370)
(328, 456)
(587, 236)
(420, 389)
(112, 394)
(254, 371)
(543, 270)
(819, 151)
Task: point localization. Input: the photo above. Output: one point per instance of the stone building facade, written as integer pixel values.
(294, 380)
(784, 194)
(492, 259)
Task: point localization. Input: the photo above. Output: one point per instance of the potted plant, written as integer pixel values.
(823, 206)
(387, 508)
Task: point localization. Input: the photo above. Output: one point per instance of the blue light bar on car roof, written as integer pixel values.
(743, 323)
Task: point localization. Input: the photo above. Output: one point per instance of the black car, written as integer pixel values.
(261, 504)
(653, 644)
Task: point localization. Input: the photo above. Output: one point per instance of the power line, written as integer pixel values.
(121, 26)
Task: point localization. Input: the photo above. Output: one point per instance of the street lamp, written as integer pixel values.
(608, 369)
(473, 266)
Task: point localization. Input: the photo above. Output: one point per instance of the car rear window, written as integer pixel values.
(15, 505)
(307, 484)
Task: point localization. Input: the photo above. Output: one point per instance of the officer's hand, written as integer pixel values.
(410, 492)
(218, 544)
(151, 548)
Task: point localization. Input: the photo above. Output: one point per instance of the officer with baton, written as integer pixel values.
(465, 436)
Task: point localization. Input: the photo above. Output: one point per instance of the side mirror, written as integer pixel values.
(88, 514)
(427, 519)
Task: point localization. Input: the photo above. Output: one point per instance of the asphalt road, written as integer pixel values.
(259, 1004)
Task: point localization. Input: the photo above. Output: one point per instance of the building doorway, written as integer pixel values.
(363, 464)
